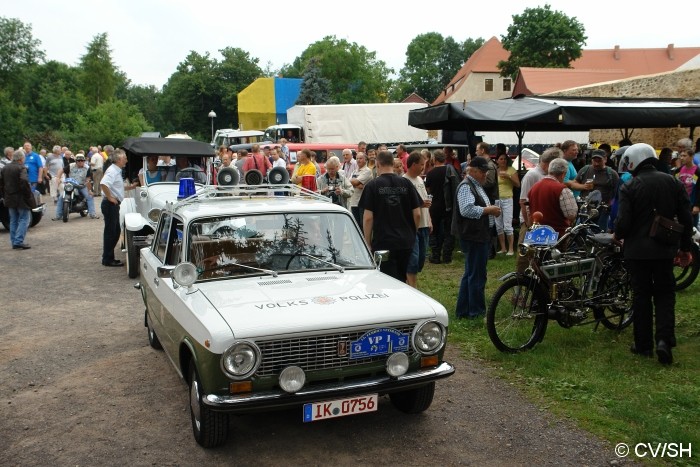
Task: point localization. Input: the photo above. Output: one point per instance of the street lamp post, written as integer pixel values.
(212, 115)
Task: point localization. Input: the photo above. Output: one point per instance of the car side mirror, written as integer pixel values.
(379, 256)
(165, 271)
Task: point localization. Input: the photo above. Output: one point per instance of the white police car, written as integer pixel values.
(268, 297)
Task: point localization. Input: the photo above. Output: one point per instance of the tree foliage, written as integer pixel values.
(315, 89)
(18, 49)
(98, 72)
(108, 123)
(431, 62)
(540, 37)
(355, 74)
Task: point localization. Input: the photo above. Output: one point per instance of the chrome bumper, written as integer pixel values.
(40, 208)
(276, 399)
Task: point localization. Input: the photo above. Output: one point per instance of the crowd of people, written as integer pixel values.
(418, 205)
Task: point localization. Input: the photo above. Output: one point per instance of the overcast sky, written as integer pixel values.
(149, 38)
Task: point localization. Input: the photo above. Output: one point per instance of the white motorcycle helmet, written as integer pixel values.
(635, 156)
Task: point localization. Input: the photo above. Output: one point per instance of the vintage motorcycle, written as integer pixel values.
(73, 201)
(577, 279)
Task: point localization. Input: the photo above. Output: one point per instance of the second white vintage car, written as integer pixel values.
(266, 297)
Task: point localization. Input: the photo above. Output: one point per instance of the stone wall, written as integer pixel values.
(677, 84)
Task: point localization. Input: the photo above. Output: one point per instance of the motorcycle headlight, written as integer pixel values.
(69, 187)
(241, 359)
(429, 337)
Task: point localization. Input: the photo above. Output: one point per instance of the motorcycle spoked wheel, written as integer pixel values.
(517, 316)
(687, 275)
(615, 280)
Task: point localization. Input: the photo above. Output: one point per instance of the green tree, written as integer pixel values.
(98, 73)
(18, 49)
(147, 100)
(190, 93)
(431, 62)
(315, 89)
(355, 74)
(110, 122)
(542, 38)
(53, 98)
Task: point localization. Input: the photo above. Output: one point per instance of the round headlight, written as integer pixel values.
(241, 359)
(292, 379)
(429, 337)
(185, 274)
(69, 187)
(154, 215)
(397, 364)
(556, 254)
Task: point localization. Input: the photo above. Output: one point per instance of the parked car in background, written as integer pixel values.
(141, 208)
(266, 297)
(37, 212)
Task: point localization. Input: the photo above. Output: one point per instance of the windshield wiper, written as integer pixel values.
(266, 271)
(338, 267)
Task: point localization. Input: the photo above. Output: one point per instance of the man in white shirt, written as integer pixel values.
(358, 180)
(96, 164)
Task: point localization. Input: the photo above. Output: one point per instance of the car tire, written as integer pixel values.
(152, 336)
(414, 400)
(132, 255)
(210, 428)
(36, 217)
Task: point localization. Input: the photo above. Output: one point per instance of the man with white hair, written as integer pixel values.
(349, 164)
(553, 199)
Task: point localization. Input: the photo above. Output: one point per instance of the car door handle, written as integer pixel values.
(156, 281)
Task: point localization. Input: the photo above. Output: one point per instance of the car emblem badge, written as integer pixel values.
(342, 348)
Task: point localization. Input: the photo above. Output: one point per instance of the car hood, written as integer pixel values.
(161, 193)
(294, 303)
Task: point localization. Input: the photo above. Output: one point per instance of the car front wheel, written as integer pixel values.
(210, 428)
(414, 400)
(132, 255)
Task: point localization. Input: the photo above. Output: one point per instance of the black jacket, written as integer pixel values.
(15, 188)
(651, 189)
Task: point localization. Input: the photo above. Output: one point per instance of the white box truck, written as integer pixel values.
(349, 123)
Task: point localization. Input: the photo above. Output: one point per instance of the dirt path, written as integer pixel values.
(79, 385)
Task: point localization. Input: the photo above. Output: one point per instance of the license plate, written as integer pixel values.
(380, 341)
(315, 411)
(543, 235)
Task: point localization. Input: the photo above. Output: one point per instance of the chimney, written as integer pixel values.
(616, 52)
(670, 51)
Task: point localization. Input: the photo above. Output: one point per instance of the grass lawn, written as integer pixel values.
(590, 376)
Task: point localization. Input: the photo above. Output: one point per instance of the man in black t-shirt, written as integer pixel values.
(441, 238)
(391, 207)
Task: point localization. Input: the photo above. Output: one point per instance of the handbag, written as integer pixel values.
(665, 230)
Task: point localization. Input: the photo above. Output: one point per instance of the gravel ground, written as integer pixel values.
(79, 385)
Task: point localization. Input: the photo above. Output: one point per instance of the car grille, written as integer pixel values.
(315, 352)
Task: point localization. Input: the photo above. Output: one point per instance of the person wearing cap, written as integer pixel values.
(649, 261)
(80, 172)
(473, 217)
(604, 179)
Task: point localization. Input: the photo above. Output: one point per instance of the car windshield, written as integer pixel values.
(248, 245)
(160, 169)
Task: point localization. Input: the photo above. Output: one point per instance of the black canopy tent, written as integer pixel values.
(526, 113)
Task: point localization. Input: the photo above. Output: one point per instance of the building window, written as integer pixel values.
(488, 84)
(506, 84)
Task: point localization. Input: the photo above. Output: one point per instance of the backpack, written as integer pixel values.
(449, 189)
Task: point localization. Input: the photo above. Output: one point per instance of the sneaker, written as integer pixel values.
(94, 216)
(510, 253)
(56, 219)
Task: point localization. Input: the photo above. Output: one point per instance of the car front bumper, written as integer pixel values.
(251, 402)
